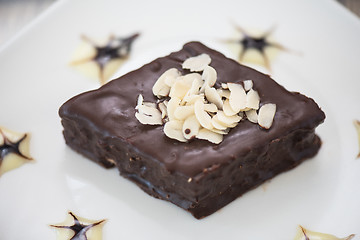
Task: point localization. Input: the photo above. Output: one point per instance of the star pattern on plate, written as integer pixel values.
(305, 234)
(115, 48)
(259, 43)
(11, 151)
(79, 229)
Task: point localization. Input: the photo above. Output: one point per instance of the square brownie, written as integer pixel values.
(198, 175)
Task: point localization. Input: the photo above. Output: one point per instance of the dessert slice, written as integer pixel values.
(196, 174)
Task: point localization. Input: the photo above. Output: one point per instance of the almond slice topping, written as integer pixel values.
(213, 137)
(197, 109)
(195, 86)
(190, 127)
(163, 109)
(173, 129)
(217, 124)
(190, 100)
(197, 63)
(183, 112)
(210, 107)
(223, 93)
(252, 99)
(266, 115)
(148, 115)
(237, 97)
(213, 97)
(190, 78)
(223, 132)
(150, 104)
(202, 116)
(160, 88)
(248, 84)
(252, 115)
(209, 75)
(179, 89)
(227, 120)
(171, 107)
(140, 100)
(227, 108)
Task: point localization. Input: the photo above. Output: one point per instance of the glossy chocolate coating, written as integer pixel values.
(111, 111)
(198, 176)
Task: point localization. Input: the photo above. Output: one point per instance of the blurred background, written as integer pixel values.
(15, 14)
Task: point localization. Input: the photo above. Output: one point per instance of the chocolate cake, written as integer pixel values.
(196, 175)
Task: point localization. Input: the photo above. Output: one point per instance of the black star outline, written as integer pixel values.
(115, 48)
(11, 147)
(78, 228)
(259, 43)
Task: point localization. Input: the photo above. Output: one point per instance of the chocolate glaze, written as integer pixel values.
(111, 110)
(198, 176)
(78, 228)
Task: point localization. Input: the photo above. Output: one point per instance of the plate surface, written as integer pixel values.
(321, 194)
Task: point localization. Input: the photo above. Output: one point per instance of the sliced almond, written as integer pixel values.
(197, 63)
(227, 120)
(191, 77)
(191, 99)
(210, 107)
(228, 111)
(237, 97)
(160, 88)
(172, 105)
(252, 115)
(170, 81)
(223, 93)
(190, 127)
(140, 100)
(252, 99)
(183, 112)
(173, 129)
(148, 115)
(150, 104)
(196, 107)
(217, 124)
(206, 134)
(148, 110)
(195, 86)
(213, 97)
(266, 115)
(209, 75)
(202, 116)
(248, 84)
(222, 132)
(163, 109)
(179, 89)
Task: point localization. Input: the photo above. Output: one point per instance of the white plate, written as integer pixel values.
(321, 194)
